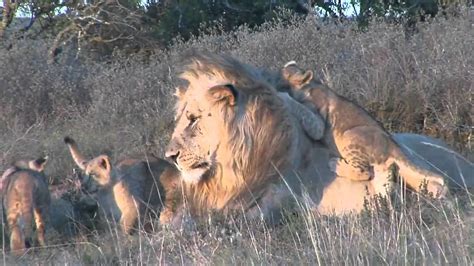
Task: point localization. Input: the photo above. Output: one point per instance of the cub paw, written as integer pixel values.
(437, 190)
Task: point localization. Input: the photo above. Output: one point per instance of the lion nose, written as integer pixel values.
(172, 155)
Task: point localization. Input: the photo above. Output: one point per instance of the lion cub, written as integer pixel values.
(365, 149)
(26, 199)
(130, 191)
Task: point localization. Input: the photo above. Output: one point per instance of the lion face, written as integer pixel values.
(98, 169)
(200, 130)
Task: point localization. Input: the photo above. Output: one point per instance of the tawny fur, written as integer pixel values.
(26, 202)
(132, 190)
(365, 150)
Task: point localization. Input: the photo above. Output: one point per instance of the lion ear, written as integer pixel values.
(38, 164)
(104, 162)
(295, 75)
(307, 77)
(226, 93)
(301, 79)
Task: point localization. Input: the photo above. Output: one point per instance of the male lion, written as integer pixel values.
(359, 140)
(25, 198)
(131, 190)
(239, 146)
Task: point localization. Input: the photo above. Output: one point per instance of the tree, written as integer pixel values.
(104, 26)
(185, 17)
(8, 13)
(397, 8)
(101, 27)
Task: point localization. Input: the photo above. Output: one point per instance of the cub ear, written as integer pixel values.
(300, 78)
(226, 93)
(307, 77)
(104, 162)
(38, 164)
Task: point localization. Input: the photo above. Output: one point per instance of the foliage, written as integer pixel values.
(185, 18)
(107, 27)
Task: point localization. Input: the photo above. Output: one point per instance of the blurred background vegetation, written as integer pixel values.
(109, 27)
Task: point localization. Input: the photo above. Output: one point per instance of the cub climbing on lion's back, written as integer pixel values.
(365, 150)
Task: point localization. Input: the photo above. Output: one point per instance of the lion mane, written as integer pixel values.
(263, 142)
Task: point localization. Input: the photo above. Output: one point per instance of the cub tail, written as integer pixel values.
(75, 153)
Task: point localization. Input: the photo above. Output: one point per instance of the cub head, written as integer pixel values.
(200, 129)
(98, 169)
(296, 76)
(34, 165)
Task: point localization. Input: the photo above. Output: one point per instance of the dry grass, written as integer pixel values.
(423, 85)
(439, 233)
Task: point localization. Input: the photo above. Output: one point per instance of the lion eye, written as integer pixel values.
(193, 120)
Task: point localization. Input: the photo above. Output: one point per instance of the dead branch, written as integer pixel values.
(104, 23)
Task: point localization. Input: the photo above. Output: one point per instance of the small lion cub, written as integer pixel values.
(25, 197)
(364, 148)
(132, 190)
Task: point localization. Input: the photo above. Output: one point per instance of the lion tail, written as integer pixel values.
(415, 176)
(75, 153)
